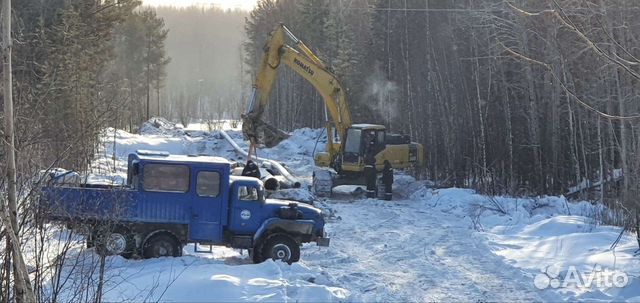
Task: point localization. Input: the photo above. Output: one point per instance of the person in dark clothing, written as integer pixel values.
(251, 170)
(370, 174)
(387, 179)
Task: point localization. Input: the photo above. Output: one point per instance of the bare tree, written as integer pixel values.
(9, 212)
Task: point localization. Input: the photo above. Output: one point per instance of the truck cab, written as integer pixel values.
(171, 200)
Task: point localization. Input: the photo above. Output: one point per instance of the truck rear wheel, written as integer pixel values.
(281, 247)
(117, 242)
(161, 245)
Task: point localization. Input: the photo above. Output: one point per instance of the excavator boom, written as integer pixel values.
(306, 64)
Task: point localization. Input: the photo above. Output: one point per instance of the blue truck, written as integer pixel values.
(171, 200)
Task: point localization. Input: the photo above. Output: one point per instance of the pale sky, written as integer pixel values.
(224, 4)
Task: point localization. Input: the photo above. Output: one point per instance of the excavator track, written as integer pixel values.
(322, 182)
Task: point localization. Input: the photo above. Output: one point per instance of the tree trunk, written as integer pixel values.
(149, 77)
(638, 227)
(624, 156)
(408, 74)
(533, 125)
(601, 159)
(511, 184)
(6, 270)
(22, 286)
(158, 91)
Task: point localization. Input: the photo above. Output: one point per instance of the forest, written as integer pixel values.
(501, 94)
(510, 97)
(78, 67)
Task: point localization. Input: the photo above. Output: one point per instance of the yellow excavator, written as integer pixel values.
(342, 162)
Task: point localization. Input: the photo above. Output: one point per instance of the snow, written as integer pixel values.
(201, 279)
(564, 241)
(426, 245)
(295, 194)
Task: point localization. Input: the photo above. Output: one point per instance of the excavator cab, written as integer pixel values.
(362, 140)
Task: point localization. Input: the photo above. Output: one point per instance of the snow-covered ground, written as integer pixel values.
(426, 245)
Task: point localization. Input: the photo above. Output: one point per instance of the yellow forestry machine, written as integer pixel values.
(343, 161)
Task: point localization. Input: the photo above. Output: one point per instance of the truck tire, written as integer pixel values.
(281, 247)
(161, 245)
(117, 242)
(255, 255)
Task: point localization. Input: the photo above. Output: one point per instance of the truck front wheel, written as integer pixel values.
(255, 255)
(162, 245)
(281, 247)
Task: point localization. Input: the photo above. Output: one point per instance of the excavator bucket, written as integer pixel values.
(262, 133)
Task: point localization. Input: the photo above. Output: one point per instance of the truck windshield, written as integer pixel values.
(353, 141)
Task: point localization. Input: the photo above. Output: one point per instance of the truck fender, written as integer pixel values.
(291, 227)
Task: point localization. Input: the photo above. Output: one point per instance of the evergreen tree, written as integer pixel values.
(141, 62)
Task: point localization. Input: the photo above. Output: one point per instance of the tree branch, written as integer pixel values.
(564, 87)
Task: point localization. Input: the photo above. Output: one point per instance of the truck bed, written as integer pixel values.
(88, 202)
(63, 203)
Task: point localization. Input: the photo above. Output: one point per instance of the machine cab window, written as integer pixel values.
(166, 178)
(360, 141)
(373, 141)
(248, 193)
(353, 141)
(381, 137)
(208, 184)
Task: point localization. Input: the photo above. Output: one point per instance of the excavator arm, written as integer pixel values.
(308, 66)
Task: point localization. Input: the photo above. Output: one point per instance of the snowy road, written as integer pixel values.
(423, 247)
(407, 251)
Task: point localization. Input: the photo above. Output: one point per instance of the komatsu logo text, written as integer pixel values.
(305, 67)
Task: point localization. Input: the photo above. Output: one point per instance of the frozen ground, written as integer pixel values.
(427, 245)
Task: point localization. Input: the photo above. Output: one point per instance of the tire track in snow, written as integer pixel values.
(407, 251)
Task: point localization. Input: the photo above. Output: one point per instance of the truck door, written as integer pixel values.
(206, 207)
(247, 200)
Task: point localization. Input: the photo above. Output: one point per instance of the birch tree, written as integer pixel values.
(23, 292)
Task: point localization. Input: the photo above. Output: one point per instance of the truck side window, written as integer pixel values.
(208, 184)
(166, 178)
(247, 193)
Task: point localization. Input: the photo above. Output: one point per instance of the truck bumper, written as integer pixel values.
(322, 241)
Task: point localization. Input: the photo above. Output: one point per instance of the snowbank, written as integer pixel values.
(537, 235)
